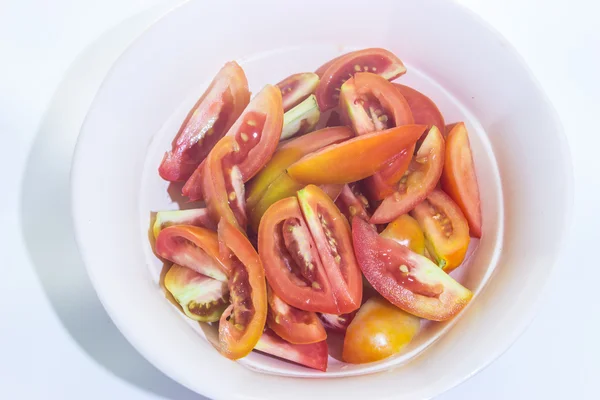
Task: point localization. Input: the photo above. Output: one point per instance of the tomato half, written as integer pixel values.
(459, 179)
(207, 122)
(314, 355)
(445, 227)
(354, 159)
(243, 322)
(296, 88)
(421, 178)
(192, 247)
(292, 324)
(339, 70)
(201, 298)
(378, 331)
(352, 203)
(406, 279)
(196, 217)
(256, 135)
(406, 231)
(292, 263)
(371, 103)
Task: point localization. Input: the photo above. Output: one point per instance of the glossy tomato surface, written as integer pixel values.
(352, 203)
(406, 231)
(207, 122)
(315, 355)
(196, 217)
(295, 88)
(424, 110)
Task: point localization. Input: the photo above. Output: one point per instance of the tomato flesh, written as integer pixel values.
(337, 323)
(406, 279)
(352, 203)
(196, 217)
(340, 69)
(378, 331)
(314, 355)
(206, 123)
(406, 231)
(459, 179)
(419, 180)
(445, 227)
(296, 88)
(301, 119)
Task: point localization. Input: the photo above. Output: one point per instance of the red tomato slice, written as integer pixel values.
(207, 122)
(385, 182)
(445, 227)
(424, 110)
(292, 263)
(339, 70)
(292, 324)
(354, 159)
(332, 236)
(223, 185)
(196, 217)
(421, 178)
(256, 135)
(296, 88)
(459, 179)
(243, 322)
(337, 323)
(313, 355)
(406, 279)
(352, 203)
(192, 247)
(406, 231)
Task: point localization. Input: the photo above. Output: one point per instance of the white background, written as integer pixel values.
(57, 342)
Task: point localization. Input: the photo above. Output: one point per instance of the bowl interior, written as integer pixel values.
(471, 73)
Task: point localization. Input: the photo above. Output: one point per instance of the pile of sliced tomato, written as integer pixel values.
(349, 230)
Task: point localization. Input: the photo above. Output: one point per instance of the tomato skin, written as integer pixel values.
(296, 88)
(445, 227)
(352, 203)
(424, 110)
(406, 231)
(203, 257)
(406, 279)
(385, 182)
(196, 217)
(354, 159)
(337, 323)
(333, 239)
(208, 121)
(337, 71)
(292, 324)
(420, 180)
(294, 290)
(315, 355)
(378, 331)
(459, 179)
(235, 343)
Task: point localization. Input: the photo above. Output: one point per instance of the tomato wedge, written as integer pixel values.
(192, 247)
(370, 103)
(292, 324)
(339, 70)
(296, 88)
(292, 264)
(406, 279)
(243, 322)
(196, 217)
(354, 159)
(459, 179)
(256, 135)
(337, 323)
(406, 231)
(207, 122)
(352, 203)
(315, 355)
(424, 110)
(445, 227)
(421, 178)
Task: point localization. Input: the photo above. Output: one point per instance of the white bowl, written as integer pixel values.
(520, 152)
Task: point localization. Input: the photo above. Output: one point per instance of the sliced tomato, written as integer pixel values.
(333, 190)
(296, 88)
(340, 69)
(421, 178)
(385, 182)
(337, 323)
(406, 279)
(196, 217)
(354, 159)
(459, 179)
(370, 103)
(424, 110)
(315, 355)
(292, 324)
(256, 135)
(280, 188)
(334, 119)
(352, 203)
(445, 227)
(201, 298)
(406, 231)
(378, 331)
(192, 247)
(207, 122)
(301, 119)
(291, 260)
(223, 185)
(332, 236)
(243, 322)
